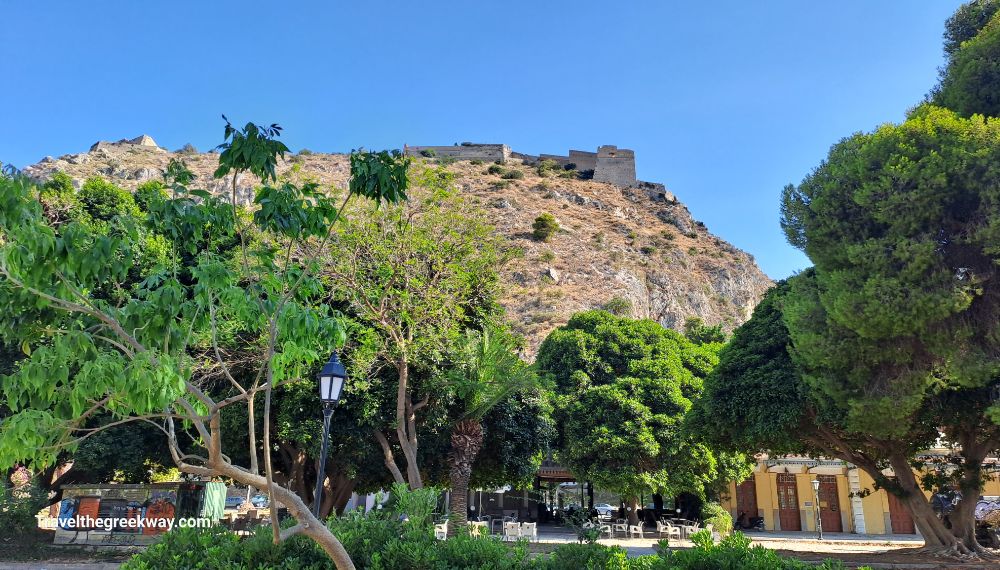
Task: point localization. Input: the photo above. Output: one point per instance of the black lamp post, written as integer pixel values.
(331, 382)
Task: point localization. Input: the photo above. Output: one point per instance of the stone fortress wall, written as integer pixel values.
(464, 151)
(610, 164)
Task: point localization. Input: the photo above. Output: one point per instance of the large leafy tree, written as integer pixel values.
(971, 79)
(760, 398)
(152, 352)
(904, 312)
(416, 274)
(624, 389)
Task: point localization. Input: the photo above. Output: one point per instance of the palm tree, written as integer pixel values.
(487, 372)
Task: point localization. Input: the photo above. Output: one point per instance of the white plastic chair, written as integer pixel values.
(690, 529)
(635, 529)
(530, 531)
(478, 528)
(668, 529)
(620, 526)
(511, 531)
(441, 531)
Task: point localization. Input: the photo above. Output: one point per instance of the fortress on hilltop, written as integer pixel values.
(609, 164)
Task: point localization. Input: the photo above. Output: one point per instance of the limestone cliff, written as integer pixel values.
(614, 243)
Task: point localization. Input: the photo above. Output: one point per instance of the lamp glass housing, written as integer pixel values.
(331, 380)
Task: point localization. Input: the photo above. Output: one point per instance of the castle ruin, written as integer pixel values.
(609, 164)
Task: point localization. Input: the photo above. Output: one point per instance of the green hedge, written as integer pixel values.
(380, 543)
(379, 540)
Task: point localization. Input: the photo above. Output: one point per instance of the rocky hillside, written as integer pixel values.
(646, 256)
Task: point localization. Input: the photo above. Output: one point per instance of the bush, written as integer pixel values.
(718, 517)
(495, 169)
(547, 167)
(103, 200)
(619, 306)
(148, 193)
(584, 556)
(545, 226)
(512, 175)
(475, 162)
(188, 148)
(58, 198)
(18, 507)
(428, 153)
(305, 152)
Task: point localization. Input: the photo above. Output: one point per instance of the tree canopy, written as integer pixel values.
(902, 313)
(624, 387)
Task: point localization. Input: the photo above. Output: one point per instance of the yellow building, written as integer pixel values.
(780, 490)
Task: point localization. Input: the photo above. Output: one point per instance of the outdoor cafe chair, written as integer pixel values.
(441, 530)
(668, 529)
(530, 531)
(635, 529)
(620, 526)
(692, 528)
(478, 528)
(511, 531)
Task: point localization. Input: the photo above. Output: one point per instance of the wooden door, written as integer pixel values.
(899, 517)
(746, 499)
(829, 504)
(788, 503)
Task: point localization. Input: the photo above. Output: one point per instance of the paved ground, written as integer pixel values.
(832, 543)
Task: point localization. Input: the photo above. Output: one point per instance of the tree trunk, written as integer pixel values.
(341, 491)
(252, 436)
(307, 523)
(938, 539)
(632, 510)
(406, 425)
(466, 441)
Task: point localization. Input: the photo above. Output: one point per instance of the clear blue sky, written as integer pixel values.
(724, 102)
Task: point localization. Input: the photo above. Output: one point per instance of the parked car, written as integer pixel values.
(605, 511)
(259, 501)
(234, 502)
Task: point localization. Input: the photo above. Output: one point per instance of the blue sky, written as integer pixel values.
(725, 102)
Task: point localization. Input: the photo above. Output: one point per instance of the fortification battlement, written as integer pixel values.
(610, 164)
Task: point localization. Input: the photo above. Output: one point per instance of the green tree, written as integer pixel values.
(902, 225)
(487, 371)
(154, 353)
(699, 333)
(417, 274)
(624, 389)
(966, 23)
(759, 399)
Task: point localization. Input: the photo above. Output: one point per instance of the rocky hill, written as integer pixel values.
(642, 255)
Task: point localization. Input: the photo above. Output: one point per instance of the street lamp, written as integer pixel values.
(819, 517)
(331, 382)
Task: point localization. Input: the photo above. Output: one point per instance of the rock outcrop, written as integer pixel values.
(614, 243)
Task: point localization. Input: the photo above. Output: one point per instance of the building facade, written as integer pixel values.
(780, 491)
